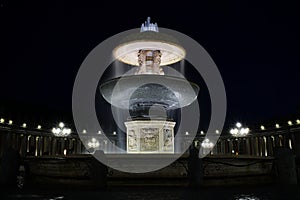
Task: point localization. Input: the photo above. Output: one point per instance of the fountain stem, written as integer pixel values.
(149, 62)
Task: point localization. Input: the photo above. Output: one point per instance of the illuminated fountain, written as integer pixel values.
(149, 93)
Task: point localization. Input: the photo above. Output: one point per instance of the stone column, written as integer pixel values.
(50, 141)
(265, 149)
(72, 146)
(218, 148)
(248, 151)
(78, 149)
(63, 145)
(252, 146)
(285, 138)
(276, 141)
(28, 144)
(41, 144)
(23, 145)
(270, 146)
(222, 147)
(293, 140)
(230, 146)
(69, 145)
(243, 148)
(54, 146)
(281, 141)
(37, 146)
(261, 146)
(46, 145)
(256, 146)
(227, 146)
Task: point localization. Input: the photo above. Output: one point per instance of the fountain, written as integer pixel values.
(149, 93)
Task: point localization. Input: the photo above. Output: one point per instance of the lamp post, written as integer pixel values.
(207, 146)
(239, 131)
(93, 144)
(61, 130)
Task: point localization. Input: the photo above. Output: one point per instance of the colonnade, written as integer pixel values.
(45, 144)
(258, 145)
(39, 144)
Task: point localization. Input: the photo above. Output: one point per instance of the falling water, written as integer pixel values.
(117, 69)
(182, 68)
(121, 69)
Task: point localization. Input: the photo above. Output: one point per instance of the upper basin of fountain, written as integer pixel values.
(172, 92)
(149, 38)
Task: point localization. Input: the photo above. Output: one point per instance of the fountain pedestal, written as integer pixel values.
(150, 136)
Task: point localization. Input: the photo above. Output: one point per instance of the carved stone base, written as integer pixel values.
(150, 136)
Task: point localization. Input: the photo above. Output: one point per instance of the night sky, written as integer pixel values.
(256, 47)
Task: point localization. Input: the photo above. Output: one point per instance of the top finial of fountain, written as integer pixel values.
(148, 26)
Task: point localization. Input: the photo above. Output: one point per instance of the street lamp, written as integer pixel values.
(207, 144)
(61, 131)
(93, 143)
(239, 131)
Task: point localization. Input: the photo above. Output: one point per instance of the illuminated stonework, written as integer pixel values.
(149, 62)
(127, 52)
(145, 136)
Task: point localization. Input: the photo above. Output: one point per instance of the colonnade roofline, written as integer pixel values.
(290, 126)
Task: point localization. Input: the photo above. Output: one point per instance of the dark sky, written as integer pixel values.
(255, 45)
